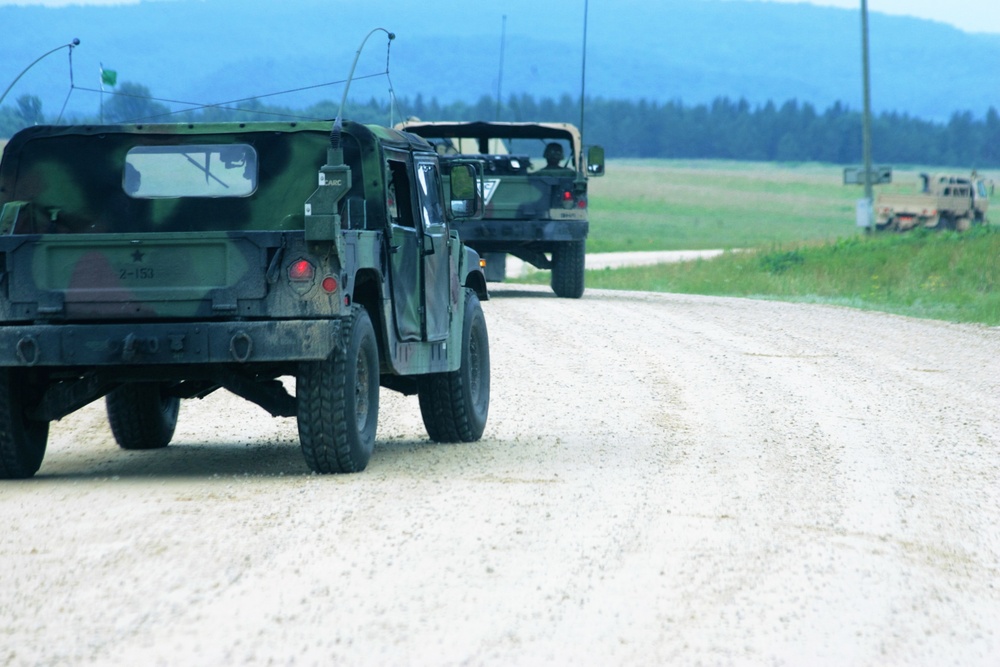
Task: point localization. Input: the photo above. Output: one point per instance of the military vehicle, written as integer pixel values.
(147, 264)
(535, 194)
(945, 201)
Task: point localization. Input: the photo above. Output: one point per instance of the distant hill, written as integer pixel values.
(688, 50)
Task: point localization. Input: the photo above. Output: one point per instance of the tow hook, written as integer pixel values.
(241, 346)
(27, 351)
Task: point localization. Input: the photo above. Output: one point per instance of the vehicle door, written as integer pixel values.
(405, 257)
(434, 248)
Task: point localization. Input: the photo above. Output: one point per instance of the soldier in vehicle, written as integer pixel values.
(553, 161)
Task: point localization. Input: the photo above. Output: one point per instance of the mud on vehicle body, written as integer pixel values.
(535, 210)
(150, 264)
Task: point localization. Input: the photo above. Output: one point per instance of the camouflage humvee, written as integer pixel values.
(153, 263)
(535, 194)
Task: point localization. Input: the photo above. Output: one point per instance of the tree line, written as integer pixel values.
(723, 129)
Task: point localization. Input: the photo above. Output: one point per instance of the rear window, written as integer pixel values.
(197, 170)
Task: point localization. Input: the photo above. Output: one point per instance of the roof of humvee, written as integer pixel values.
(488, 130)
(363, 133)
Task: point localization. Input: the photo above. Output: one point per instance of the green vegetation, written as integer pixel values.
(694, 205)
(791, 236)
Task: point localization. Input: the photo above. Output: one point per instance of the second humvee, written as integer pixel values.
(535, 193)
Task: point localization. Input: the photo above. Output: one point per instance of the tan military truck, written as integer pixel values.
(945, 201)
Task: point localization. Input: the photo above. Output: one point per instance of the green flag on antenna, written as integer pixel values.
(109, 77)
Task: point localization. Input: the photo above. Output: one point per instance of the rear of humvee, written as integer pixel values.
(156, 263)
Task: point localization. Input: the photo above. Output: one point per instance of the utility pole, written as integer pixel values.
(866, 121)
(503, 46)
(583, 70)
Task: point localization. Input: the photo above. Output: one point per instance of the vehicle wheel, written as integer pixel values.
(454, 406)
(141, 415)
(22, 441)
(338, 401)
(945, 223)
(568, 269)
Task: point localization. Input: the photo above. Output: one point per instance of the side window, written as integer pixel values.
(398, 195)
(429, 182)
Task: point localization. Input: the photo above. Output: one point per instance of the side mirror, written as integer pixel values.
(465, 185)
(595, 161)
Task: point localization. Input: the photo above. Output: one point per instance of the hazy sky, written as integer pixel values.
(969, 15)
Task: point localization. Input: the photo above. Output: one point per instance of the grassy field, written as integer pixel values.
(794, 227)
(669, 205)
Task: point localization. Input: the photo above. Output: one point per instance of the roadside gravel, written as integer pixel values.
(664, 479)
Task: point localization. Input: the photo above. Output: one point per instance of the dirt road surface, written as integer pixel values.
(663, 480)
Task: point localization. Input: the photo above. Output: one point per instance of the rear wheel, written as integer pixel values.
(142, 415)
(338, 401)
(22, 440)
(454, 406)
(568, 269)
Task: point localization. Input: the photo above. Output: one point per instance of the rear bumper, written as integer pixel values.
(167, 343)
(494, 234)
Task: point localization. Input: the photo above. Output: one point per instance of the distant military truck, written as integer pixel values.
(153, 263)
(535, 194)
(945, 201)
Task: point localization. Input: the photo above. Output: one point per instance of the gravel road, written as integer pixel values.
(664, 479)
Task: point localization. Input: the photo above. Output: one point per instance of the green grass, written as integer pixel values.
(694, 205)
(949, 276)
(794, 235)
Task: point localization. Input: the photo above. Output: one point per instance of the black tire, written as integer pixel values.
(141, 415)
(338, 401)
(22, 441)
(455, 405)
(568, 263)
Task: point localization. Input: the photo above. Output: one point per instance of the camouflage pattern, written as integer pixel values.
(531, 208)
(100, 284)
(945, 201)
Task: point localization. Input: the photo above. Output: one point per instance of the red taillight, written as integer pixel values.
(567, 196)
(301, 271)
(582, 203)
(329, 284)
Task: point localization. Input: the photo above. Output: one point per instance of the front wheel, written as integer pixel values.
(568, 264)
(22, 440)
(338, 401)
(454, 406)
(142, 415)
